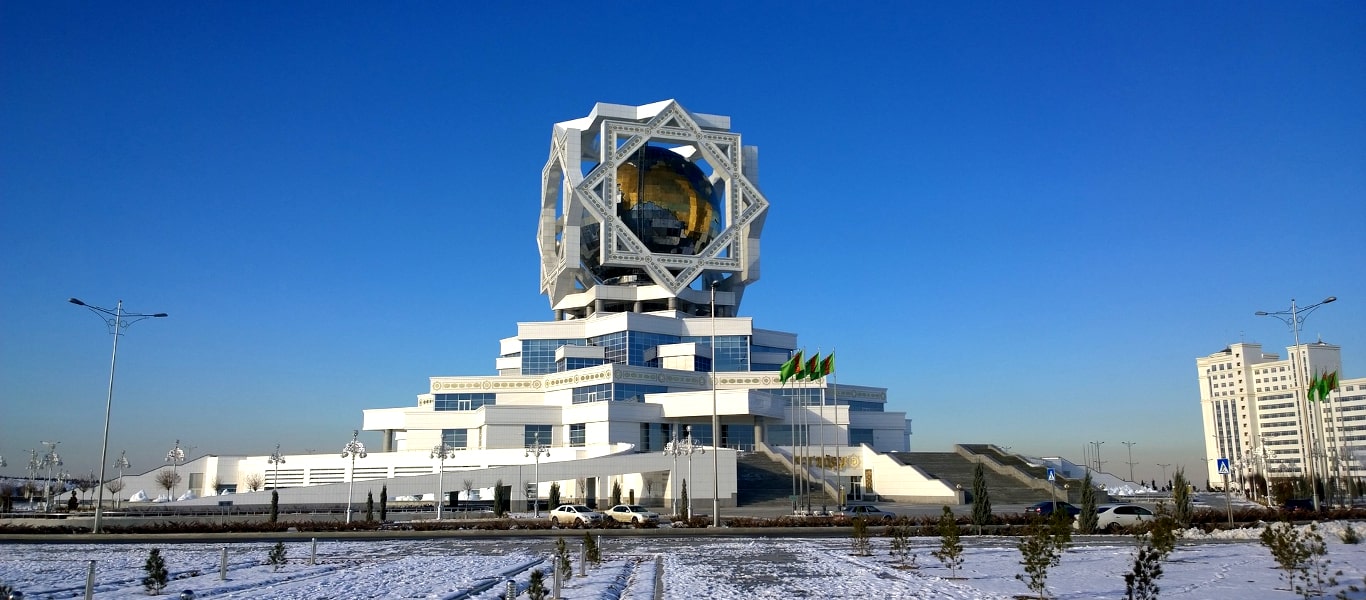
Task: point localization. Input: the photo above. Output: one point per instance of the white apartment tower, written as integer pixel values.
(1254, 409)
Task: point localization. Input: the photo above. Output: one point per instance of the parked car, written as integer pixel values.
(1112, 517)
(1295, 504)
(1045, 508)
(575, 514)
(871, 513)
(632, 513)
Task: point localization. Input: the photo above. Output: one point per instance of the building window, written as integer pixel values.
(578, 434)
(455, 438)
(644, 437)
(536, 434)
(464, 401)
(860, 436)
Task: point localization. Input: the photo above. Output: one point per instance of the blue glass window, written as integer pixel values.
(538, 356)
(732, 351)
(571, 363)
(464, 401)
(455, 438)
(781, 435)
(536, 434)
(860, 436)
(619, 392)
(578, 434)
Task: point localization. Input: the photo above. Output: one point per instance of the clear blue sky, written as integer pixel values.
(1025, 221)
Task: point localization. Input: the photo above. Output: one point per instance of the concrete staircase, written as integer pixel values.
(762, 480)
(957, 469)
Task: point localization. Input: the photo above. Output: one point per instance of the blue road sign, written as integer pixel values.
(1051, 475)
(1223, 466)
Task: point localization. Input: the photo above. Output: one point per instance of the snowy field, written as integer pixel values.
(1231, 566)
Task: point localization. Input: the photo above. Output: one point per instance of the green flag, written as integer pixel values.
(789, 368)
(796, 366)
(813, 367)
(828, 365)
(1313, 388)
(1333, 381)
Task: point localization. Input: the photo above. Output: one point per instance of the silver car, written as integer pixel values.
(1113, 517)
(575, 514)
(632, 513)
(863, 511)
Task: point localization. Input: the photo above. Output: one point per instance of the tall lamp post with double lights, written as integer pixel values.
(276, 460)
(715, 428)
(117, 321)
(50, 460)
(120, 464)
(537, 450)
(354, 449)
(1294, 318)
(440, 453)
(1131, 459)
(685, 447)
(176, 456)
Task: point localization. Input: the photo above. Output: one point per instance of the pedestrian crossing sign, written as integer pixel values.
(1223, 466)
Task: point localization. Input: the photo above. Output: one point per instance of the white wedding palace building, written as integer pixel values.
(648, 374)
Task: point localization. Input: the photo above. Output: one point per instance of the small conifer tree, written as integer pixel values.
(1181, 498)
(683, 503)
(274, 506)
(900, 547)
(981, 499)
(1039, 552)
(535, 588)
(384, 502)
(616, 493)
(1301, 557)
(950, 550)
(369, 506)
(155, 567)
(276, 558)
(1087, 520)
(554, 494)
(862, 545)
(562, 558)
(591, 551)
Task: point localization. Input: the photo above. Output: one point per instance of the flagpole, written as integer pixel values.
(825, 508)
(839, 464)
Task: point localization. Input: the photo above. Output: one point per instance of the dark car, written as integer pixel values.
(1298, 504)
(1045, 508)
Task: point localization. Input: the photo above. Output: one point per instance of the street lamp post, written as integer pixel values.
(686, 447)
(1294, 318)
(1164, 471)
(117, 321)
(50, 460)
(120, 464)
(354, 449)
(1130, 445)
(537, 450)
(175, 457)
(275, 460)
(715, 428)
(1099, 464)
(440, 453)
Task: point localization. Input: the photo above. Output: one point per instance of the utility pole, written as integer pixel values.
(1131, 459)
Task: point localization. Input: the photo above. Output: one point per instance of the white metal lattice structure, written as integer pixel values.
(579, 190)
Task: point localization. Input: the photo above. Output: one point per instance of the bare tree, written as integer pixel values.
(468, 484)
(254, 481)
(167, 481)
(115, 486)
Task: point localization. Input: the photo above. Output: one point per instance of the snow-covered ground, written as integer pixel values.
(1230, 565)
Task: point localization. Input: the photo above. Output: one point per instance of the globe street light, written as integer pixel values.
(117, 321)
(441, 453)
(687, 446)
(50, 459)
(175, 457)
(276, 460)
(536, 450)
(1294, 318)
(354, 449)
(120, 464)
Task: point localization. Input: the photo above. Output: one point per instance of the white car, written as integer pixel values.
(1112, 517)
(632, 513)
(575, 514)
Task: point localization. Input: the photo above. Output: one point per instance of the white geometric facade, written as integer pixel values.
(596, 256)
(650, 217)
(1255, 414)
